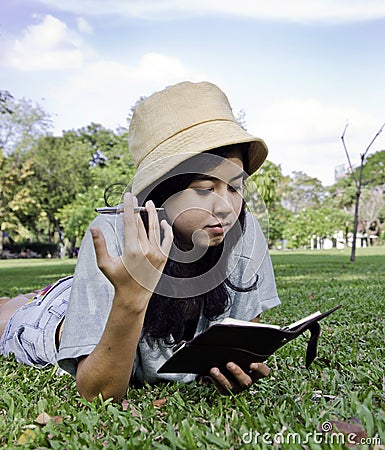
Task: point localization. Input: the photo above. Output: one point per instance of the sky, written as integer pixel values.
(299, 69)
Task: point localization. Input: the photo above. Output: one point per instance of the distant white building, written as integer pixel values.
(336, 241)
(340, 171)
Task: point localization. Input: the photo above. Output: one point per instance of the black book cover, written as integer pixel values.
(240, 343)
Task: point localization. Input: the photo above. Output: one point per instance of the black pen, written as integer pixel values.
(120, 208)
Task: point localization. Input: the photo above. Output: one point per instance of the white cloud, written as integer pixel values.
(104, 91)
(48, 45)
(302, 120)
(85, 87)
(295, 10)
(305, 135)
(83, 26)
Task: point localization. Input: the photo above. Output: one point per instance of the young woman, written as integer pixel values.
(144, 282)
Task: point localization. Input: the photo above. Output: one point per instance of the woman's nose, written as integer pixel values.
(222, 206)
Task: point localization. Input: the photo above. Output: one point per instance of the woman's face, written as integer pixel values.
(203, 213)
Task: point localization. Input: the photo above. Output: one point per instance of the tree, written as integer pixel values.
(18, 210)
(266, 181)
(300, 191)
(358, 183)
(116, 164)
(61, 170)
(313, 222)
(341, 195)
(116, 169)
(21, 123)
(278, 218)
(374, 168)
(5, 99)
(76, 216)
(371, 211)
(263, 197)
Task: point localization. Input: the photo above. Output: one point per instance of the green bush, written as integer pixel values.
(30, 249)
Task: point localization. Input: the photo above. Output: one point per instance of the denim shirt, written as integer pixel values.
(92, 295)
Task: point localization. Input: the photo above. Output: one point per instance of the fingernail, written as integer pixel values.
(230, 365)
(254, 366)
(93, 232)
(214, 372)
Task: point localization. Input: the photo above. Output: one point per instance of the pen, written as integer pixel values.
(119, 209)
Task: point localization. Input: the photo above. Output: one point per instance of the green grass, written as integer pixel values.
(18, 276)
(345, 383)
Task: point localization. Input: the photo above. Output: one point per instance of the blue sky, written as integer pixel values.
(300, 69)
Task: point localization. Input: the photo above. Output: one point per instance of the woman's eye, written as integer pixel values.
(203, 191)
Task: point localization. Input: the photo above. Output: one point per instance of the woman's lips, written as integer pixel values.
(217, 228)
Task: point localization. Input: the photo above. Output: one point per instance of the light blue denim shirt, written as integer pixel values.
(92, 295)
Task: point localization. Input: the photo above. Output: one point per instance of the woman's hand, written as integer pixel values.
(241, 380)
(144, 256)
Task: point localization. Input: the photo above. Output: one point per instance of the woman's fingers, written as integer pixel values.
(102, 256)
(259, 370)
(222, 384)
(153, 224)
(242, 380)
(130, 219)
(168, 237)
(136, 234)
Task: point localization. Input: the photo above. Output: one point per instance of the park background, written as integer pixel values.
(296, 74)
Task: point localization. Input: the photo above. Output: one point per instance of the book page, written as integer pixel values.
(301, 321)
(245, 323)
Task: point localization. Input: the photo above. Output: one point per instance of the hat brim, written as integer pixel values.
(193, 141)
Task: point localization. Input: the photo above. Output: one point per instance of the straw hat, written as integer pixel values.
(182, 121)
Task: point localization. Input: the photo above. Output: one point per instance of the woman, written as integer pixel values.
(142, 283)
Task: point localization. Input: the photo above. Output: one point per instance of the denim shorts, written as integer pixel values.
(31, 331)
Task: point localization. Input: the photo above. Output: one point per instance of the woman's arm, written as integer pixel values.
(107, 370)
(134, 275)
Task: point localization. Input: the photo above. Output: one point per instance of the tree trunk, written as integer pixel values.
(353, 252)
(356, 209)
(358, 185)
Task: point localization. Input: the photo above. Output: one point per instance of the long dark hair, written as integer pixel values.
(166, 316)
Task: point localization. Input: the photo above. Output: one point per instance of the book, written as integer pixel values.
(241, 342)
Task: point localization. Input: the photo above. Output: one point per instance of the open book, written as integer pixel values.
(242, 343)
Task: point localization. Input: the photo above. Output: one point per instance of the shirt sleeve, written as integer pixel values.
(91, 296)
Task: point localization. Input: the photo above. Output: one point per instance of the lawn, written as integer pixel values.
(293, 408)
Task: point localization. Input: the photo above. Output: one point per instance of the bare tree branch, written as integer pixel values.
(358, 183)
(375, 137)
(347, 155)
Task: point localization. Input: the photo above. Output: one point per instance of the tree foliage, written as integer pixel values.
(300, 191)
(51, 185)
(313, 222)
(266, 182)
(265, 197)
(61, 170)
(21, 123)
(374, 170)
